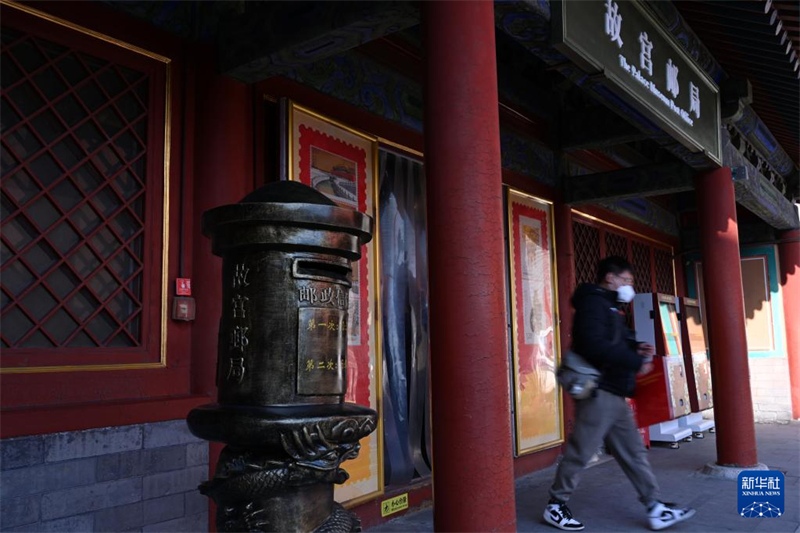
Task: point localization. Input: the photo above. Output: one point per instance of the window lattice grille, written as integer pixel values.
(74, 147)
(587, 252)
(665, 280)
(641, 267)
(616, 245)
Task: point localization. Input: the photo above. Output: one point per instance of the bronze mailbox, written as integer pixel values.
(281, 370)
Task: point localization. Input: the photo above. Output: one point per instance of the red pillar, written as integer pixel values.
(789, 249)
(565, 267)
(473, 478)
(724, 297)
(223, 175)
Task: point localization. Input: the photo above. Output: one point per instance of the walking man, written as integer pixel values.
(600, 335)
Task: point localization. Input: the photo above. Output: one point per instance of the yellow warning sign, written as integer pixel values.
(393, 505)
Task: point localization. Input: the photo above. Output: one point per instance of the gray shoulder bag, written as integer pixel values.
(577, 376)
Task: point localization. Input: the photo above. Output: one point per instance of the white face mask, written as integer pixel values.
(625, 293)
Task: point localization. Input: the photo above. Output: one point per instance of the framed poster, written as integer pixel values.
(531, 258)
(763, 299)
(342, 163)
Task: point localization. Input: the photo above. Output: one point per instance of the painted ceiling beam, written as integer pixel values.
(758, 194)
(753, 190)
(751, 126)
(272, 37)
(633, 182)
(749, 233)
(528, 22)
(759, 136)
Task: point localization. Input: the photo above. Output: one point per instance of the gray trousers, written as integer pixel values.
(605, 419)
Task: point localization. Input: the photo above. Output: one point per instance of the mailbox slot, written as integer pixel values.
(321, 270)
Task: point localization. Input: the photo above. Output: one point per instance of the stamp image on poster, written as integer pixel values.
(334, 176)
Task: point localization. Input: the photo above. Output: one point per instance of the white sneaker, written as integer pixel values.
(558, 515)
(662, 515)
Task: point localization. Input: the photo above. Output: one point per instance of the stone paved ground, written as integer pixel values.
(606, 502)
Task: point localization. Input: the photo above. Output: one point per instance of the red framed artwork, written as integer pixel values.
(341, 162)
(531, 258)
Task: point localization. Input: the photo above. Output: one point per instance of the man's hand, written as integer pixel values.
(646, 350)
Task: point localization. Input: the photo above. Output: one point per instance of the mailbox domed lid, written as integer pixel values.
(287, 192)
(284, 206)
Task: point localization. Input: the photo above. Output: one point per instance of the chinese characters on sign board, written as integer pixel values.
(393, 505)
(334, 297)
(639, 58)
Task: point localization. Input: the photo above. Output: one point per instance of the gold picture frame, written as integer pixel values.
(536, 396)
(342, 163)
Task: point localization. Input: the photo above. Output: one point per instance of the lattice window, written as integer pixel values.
(665, 279)
(587, 252)
(74, 160)
(642, 267)
(616, 245)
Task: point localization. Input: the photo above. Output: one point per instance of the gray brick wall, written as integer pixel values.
(770, 388)
(128, 478)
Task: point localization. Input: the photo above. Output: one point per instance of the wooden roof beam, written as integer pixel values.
(634, 182)
(272, 37)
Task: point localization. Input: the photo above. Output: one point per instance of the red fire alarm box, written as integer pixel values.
(183, 287)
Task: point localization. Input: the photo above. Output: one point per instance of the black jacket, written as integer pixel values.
(600, 335)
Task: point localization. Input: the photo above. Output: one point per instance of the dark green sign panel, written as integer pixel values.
(621, 40)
